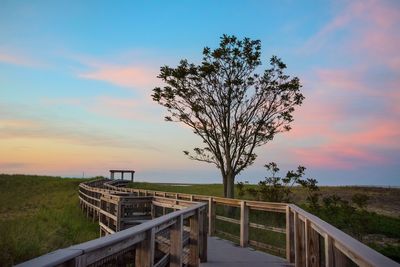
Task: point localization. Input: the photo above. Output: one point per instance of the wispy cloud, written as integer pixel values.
(130, 76)
(365, 29)
(352, 113)
(135, 70)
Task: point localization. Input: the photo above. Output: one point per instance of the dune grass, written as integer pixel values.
(38, 215)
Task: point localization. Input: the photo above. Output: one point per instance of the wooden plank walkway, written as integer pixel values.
(222, 252)
(309, 240)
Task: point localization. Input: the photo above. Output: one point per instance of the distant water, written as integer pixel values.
(177, 184)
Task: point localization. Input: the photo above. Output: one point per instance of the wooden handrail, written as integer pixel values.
(299, 224)
(304, 231)
(95, 250)
(359, 253)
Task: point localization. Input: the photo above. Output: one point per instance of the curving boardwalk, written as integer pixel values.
(153, 228)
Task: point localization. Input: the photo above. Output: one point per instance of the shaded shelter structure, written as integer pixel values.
(122, 172)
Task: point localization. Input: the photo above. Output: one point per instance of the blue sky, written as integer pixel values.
(76, 79)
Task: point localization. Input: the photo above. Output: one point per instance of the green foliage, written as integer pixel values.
(312, 190)
(355, 222)
(38, 215)
(228, 104)
(361, 200)
(240, 189)
(279, 189)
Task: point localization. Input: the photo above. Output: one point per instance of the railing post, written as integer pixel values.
(328, 251)
(312, 245)
(194, 240)
(176, 243)
(153, 212)
(340, 258)
(119, 215)
(203, 236)
(211, 216)
(306, 239)
(298, 242)
(289, 235)
(145, 250)
(244, 224)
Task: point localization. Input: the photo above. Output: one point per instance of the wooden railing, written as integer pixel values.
(173, 239)
(309, 241)
(278, 228)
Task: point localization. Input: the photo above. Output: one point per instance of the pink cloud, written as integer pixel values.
(126, 76)
(129, 70)
(327, 132)
(340, 79)
(338, 149)
(336, 156)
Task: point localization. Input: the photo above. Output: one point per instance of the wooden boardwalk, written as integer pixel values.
(222, 253)
(153, 228)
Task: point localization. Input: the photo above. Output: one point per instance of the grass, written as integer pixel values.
(196, 189)
(385, 201)
(38, 215)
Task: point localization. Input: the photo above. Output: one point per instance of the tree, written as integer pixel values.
(228, 104)
(275, 188)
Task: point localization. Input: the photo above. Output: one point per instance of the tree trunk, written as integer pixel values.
(224, 182)
(228, 180)
(230, 186)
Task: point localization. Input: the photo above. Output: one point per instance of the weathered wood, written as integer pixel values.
(145, 250)
(211, 217)
(227, 201)
(329, 257)
(340, 258)
(268, 228)
(194, 240)
(168, 205)
(244, 224)
(176, 235)
(344, 256)
(291, 233)
(306, 239)
(300, 260)
(106, 229)
(109, 215)
(312, 246)
(227, 219)
(113, 204)
(203, 236)
(289, 237)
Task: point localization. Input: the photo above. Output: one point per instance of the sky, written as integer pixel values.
(76, 79)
